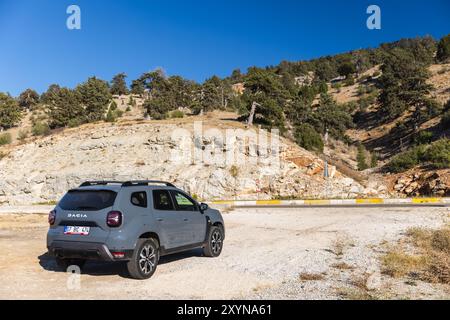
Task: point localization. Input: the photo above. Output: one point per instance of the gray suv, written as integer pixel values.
(135, 221)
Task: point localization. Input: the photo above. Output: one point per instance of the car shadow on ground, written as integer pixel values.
(94, 268)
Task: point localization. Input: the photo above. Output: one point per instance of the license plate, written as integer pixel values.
(80, 231)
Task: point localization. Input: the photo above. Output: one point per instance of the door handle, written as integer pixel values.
(160, 219)
(185, 220)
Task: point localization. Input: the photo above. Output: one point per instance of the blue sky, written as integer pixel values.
(192, 38)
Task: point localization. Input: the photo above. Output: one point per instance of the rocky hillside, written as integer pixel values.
(379, 137)
(368, 113)
(42, 169)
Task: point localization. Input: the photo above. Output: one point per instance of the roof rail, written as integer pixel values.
(146, 183)
(99, 183)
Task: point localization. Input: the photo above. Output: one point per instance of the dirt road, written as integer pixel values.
(268, 253)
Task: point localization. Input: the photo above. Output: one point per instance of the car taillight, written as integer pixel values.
(52, 217)
(118, 255)
(114, 219)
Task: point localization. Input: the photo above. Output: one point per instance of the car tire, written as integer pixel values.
(64, 264)
(214, 245)
(145, 259)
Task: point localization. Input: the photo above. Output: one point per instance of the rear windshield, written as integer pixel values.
(89, 200)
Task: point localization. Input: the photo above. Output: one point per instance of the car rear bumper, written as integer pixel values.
(84, 250)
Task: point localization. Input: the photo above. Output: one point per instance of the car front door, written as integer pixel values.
(194, 222)
(169, 220)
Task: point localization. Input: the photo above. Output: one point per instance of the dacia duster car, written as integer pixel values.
(136, 222)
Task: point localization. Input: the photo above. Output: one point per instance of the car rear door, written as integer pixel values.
(169, 221)
(194, 222)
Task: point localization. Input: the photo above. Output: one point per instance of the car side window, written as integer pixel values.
(183, 202)
(162, 200)
(139, 199)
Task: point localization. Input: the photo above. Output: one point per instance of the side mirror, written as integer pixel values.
(203, 207)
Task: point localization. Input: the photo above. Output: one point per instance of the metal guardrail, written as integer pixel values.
(335, 202)
(44, 209)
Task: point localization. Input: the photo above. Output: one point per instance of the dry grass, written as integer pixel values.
(139, 163)
(311, 276)
(398, 264)
(342, 266)
(340, 245)
(430, 262)
(355, 294)
(360, 290)
(360, 282)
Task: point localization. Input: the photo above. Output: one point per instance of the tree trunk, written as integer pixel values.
(252, 114)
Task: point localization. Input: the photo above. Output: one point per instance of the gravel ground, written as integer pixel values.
(267, 253)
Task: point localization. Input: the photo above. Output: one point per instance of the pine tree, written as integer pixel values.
(95, 98)
(264, 88)
(374, 160)
(404, 84)
(28, 99)
(10, 112)
(307, 137)
(138, 87)
(49, 96)
(118, 85)
(212, 94)
(443, 51)
(361, 158)
(65, 108)
(331, 117)
(346, 69)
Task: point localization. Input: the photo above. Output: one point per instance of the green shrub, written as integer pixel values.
(23, 134)
(5, 138)
(361, 158)
(322, 87)
(111, 116)
(349, 81)
(307, 137)
(361, 90)
(407, 160)
(445, 121)
(337, 86)
(424, 137)
(438, 154)
(40, 129)
(447, 106)
(157, 108)
(374, 160)
(73, 123)
(177, 114)
(113, 106)
(443, 52)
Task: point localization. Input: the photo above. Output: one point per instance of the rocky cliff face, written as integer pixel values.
(44, 169)
(414, 184)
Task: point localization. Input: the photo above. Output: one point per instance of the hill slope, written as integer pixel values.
(41, 170)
